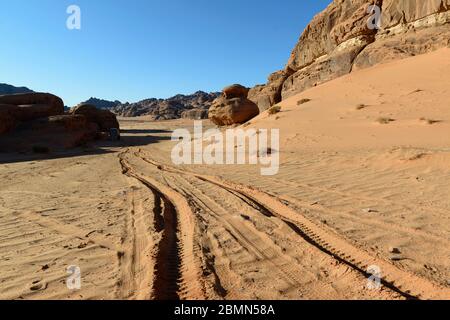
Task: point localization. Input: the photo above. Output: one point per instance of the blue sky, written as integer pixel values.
(136, 49)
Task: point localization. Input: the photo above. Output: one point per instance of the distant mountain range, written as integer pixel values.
(103, 104)
(195, 106)
(9, 89)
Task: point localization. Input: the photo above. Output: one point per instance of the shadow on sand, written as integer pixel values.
(145, 131)
(130, 138)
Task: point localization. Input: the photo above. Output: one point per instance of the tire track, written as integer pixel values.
(136, 271)
(175, 274)
(261, 248)
(398, 280)
(380, 224)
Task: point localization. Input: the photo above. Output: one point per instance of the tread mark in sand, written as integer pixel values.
(167, 268)
(306, 233)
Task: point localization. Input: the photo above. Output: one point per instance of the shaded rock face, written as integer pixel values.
(268, 95)
(26, 107)
(167, 109)
(227, 111)
(7, 120)
(38, 119)
(34, 105)
(105, 119)
(68, 131)
(339, 40)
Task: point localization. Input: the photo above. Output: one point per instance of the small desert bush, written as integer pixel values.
(274, 110)
(41, 149)
(303, 101)
(384, 120)
(429, 121)
(361, 106)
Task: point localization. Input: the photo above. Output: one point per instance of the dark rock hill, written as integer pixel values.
(192, 106)
(9, 89)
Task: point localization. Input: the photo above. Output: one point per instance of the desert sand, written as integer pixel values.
(363, 181)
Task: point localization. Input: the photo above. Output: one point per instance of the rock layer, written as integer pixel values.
(339, 40)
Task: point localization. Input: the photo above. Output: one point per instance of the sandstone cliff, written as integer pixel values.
(343, 38)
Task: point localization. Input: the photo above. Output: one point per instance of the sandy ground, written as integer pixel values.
(349, 190)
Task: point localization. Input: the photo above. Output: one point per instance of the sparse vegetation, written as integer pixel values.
(361, 106)
(303, 101)
(274, 110)
(416, 91)
(41, 149)
(384, 120)
(429, 121)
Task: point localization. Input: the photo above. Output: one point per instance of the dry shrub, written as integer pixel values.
(361, 106)
(384, 120)
(274, 110)
(429, 121)
(303, 101)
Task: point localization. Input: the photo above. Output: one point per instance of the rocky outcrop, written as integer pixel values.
(412, 28)
(7, 120)
(233, 107)
(26, 107)
(167, 109)
(266, 96)
(67, 131)
(401, 12)
(105, 119)
(235, 91)
(195, 114)
(38, 119)
(340, 40)
(34, 105)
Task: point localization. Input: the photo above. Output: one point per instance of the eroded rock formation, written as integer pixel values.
(35, 120)
(340, 39)
(233, 107)
(105, 119)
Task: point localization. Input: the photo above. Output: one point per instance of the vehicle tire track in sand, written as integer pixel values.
(400, 281)
(134, 262)
(224, 234)
(387, 226)
(175, 274)
(255, 242)
(69, 230)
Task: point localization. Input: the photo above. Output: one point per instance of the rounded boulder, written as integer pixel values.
(225, 112)
(235, 91)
